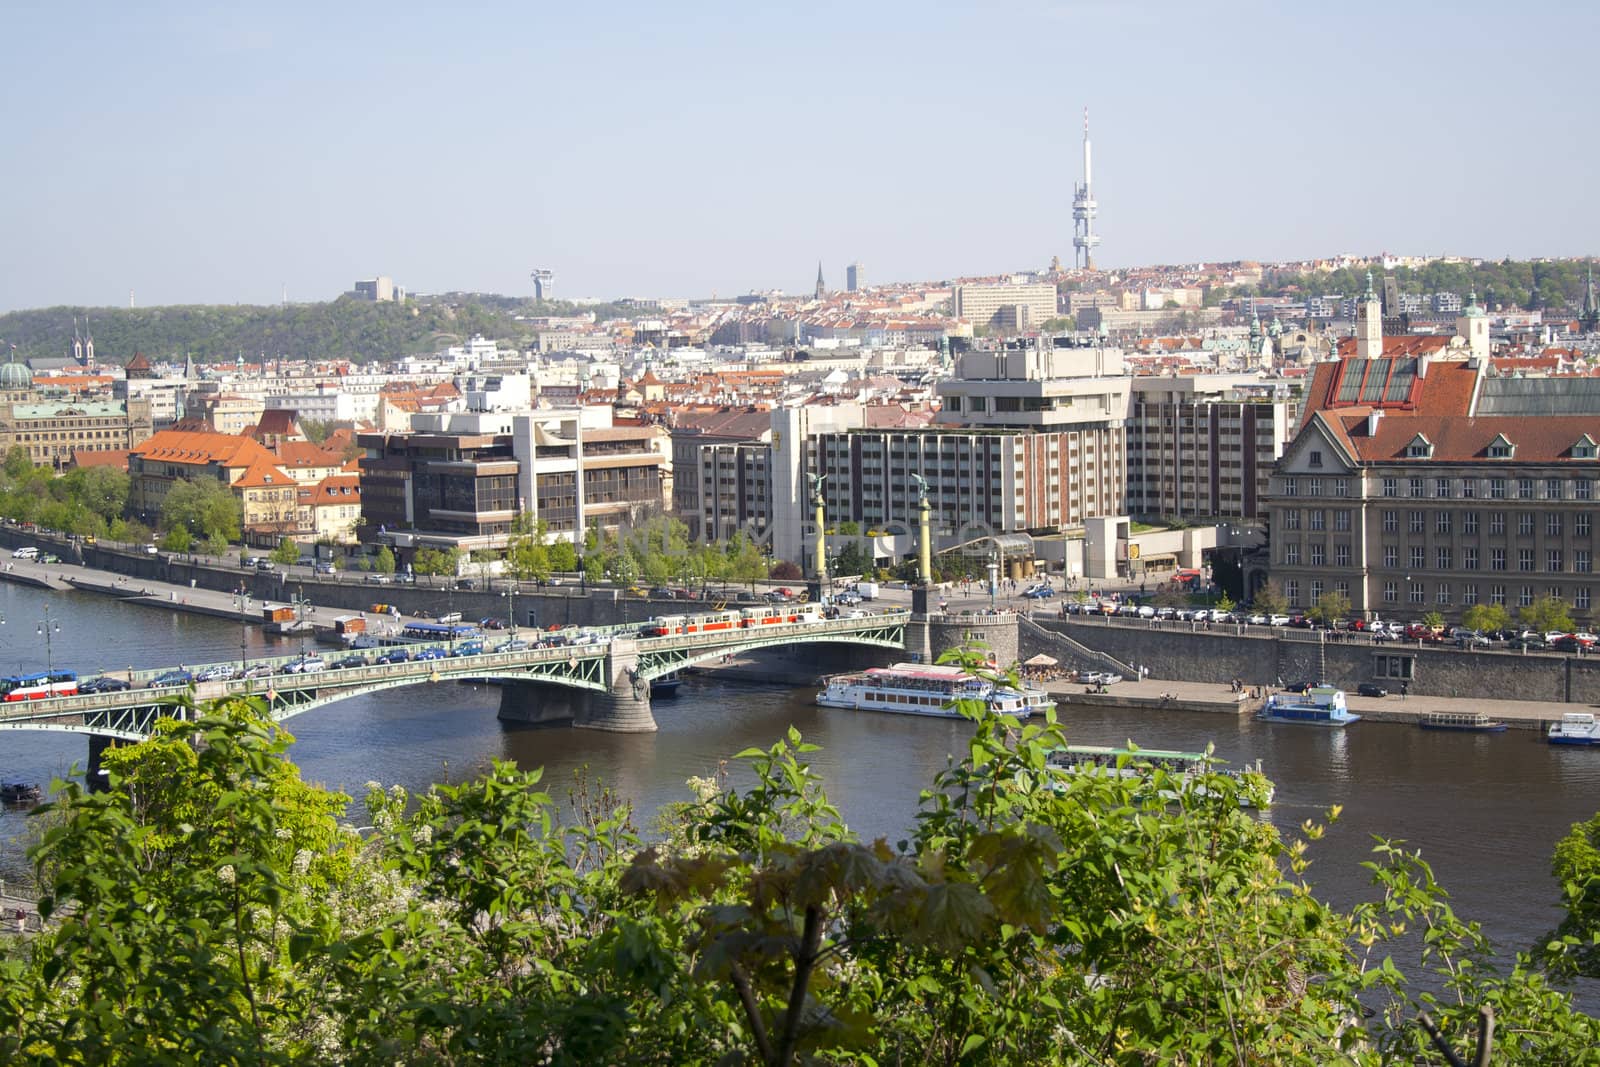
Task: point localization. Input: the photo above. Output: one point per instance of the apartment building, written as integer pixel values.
(266, 493)
(52, 430)
(1013, 307)
(1203, 446)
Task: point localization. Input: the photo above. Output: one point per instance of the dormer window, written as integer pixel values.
(1501, 448)
(1419, 448)
(1584, 449)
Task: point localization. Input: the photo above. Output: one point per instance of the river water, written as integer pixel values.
(1486, 810)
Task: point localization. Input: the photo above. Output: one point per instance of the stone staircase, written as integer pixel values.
(1033, 639)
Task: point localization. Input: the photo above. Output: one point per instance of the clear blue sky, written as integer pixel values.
(197, 155)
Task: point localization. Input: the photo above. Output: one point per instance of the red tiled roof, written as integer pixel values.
(262, 474)
(305, 454)
(1445, 387)
(116, 457)
(1536, 438)
(200, 448)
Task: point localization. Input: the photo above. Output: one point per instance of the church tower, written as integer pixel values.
(1589, 317)
(822, 288)
(1473, 326)
(1369, 324)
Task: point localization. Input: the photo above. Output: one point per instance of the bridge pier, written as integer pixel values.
(625, 708)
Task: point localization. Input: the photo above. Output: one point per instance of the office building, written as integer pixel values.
(1011, 307)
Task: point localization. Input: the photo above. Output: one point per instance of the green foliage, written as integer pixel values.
(784, 571)
(1269, 599)
(383, 562)
(854, 558)
(1508, 283)
(287, 552)
(1330, 607)
(177, 539)
(437, 561)
(1573, 948)
(1546, 614)
(203, 506)
(18, 462)
(1433, 620)
(563, 557)
(1486, 617)
(210, 908)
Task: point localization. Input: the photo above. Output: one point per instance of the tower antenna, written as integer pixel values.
(1085, 208)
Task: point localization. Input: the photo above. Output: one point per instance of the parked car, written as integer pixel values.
(511, 644)
(349, 662)
(25, 552)
(324, 566)
(150, 550)
(249, 561)
(264, 564)
(1470, 639)
(394, 655)
(1297, 687)
(171, 679)
(218, 672)
(103, 684)
(309, 664)
(378, 579)
(1256, 619)
(430, 653)
(1371, 689)
(257, 670)
(465, 583)
(1277, 620)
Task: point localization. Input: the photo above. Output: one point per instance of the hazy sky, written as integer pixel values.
(197, 155)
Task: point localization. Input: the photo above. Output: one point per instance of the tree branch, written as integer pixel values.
(805, 963)
(752, 1010)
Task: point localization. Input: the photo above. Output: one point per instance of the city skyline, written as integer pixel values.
(216, 157)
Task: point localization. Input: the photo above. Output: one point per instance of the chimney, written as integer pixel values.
(1372, 421)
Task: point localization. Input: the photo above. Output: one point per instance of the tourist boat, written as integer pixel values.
(1320, 705)
(1255, 789)
(20, 793)
(1576, 728)
(1471, 722)
(924, 689)
(665, 686)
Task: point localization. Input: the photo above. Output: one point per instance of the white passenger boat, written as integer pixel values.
(1576, 728)
(927, 689)
(1321, 705)
(1255, 789)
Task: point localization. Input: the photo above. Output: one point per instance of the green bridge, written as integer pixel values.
(602, 683)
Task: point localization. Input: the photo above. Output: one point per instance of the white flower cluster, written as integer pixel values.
(424, 834)
(226, 874)
(703, 788)
(302, 861)
(283, 834)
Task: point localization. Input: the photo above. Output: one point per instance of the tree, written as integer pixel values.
(1573, 948)
(177, 539)
(563, 557)
(1433, 620)
(383, 562)
(1330, 608)
(1269, 599)
(437, 561)
(1225, 602)
(287, 552)
(203, 506)
(1548, 613)
(1486, 618)
(216, 546)
(18, 463)
(853, 558)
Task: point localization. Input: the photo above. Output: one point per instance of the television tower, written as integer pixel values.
(1084, 209)
(543, 284)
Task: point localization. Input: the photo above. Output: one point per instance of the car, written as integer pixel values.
(847, 599)
(257, 670)
(1277, 620)
(217, 672)
(309, 664)
(1146, 611)
(378, 579)
(103, 684)
(430, 653)
(1470, 639)
(265, 565)
(662, 593)
(465, 583)
(1297, 687)
(1166, 612)
(511, 644)
(25, 552)
(1256, 619)
(394, 655)
(323, 567)
(171, 679)
(1371, 689)
(467, 648)
(349, 662)
(150, 550)
(49, 557)
(1039, 592)
(249, 562)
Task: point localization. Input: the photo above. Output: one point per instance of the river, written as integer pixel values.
(1486, 810)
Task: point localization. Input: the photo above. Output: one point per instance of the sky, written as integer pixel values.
(196, 153)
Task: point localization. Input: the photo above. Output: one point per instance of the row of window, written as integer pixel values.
(1444, 593)
(1444, 522)
(1454, 488)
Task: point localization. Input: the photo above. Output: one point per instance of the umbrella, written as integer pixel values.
(1041, 660)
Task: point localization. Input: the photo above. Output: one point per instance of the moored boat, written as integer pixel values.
(1575, 728)
(1320, 705)
(1472, 722)
(20, 793)
(665, 686)
(924, 689)
(1255, 789)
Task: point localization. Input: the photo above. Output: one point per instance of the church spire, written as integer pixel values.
(1589, 316)
(822, 288)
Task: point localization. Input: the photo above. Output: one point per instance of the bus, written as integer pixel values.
(39, 686)
(439, 631)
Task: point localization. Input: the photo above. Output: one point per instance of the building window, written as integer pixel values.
(1497, 488)
(1524, 488)
(1391, 556)
(1291, 487)
(1390, 487)
(1291, 591)
(1341, 555)
(1416, 522)
(1390, 593)
(1525, 596)
(1497, 595)
(1441, 559)
(1316, 590)
(1497, 523)
(1497, 559)
(1441, 488)
(1552, 559)
(1581, 489)
(1415, 485)
(1442, 593)
(1469, 594)
(1580, 598)
(1552, 524)
(1580, 524)
(1469, 559)
(1314, 459)
(1313, 487)
(1441, 522)
(1291, 554)
(1418, 557)
(1319, 519)
(1469, 488)
(1401, 668)
(1319, 554)
(1417, 593)
(1524, 559)
(1391, 521)
(1580, 560)
(1341, 487)
(1525, 524)
(1553, 489)
(1469, 522)
(1341, 520)
(1291, 519)
(1501, 449)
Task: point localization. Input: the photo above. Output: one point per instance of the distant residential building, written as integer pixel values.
(53, 430)
(855, 277)
(1016, 307)
(699, 499)
(266, 493)
(380, 289)
(329, 509)
(228, 413)
(1446, 303)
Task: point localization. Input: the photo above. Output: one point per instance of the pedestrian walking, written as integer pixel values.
(1403, 688)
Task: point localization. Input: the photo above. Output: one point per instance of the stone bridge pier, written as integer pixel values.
(625, 708)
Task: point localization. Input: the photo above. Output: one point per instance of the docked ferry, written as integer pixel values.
(1575, 728)
(1255, 789)
(927, 689)
(1320, 705)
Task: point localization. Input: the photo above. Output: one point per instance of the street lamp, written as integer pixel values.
(994, 576)
(300, 618)
(243, 632)
(48, 629)
(511, 598)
